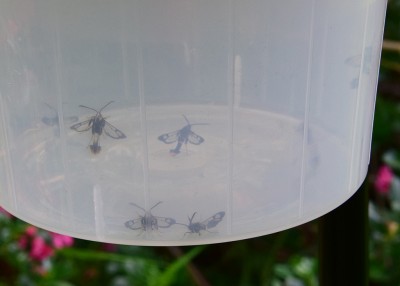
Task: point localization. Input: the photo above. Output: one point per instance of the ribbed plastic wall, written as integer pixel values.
(176, 122)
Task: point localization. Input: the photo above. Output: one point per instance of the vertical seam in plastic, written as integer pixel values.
(306, 110)
(231, 94)
(58, 62)
(9, 169)
(10, 172)
(124, 52)
(357, 112)
(143, 115)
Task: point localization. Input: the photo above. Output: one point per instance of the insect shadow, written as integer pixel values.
(365, 60)
(98, 124)
(182, 136)
(198, 227)
(148, 221)
(53, 120)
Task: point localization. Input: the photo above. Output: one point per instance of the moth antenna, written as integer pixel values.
(106, 105)
(51, 107)
(95, 109)
(187, 121)
(191, 219)
(133, 204)
(88, 108)
(156, 205)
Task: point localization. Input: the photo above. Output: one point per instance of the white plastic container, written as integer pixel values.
(280, 95)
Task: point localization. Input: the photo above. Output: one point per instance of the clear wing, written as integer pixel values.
(169, 138)
(214, 220)
(83, 126)
(134, 224)
(113, 132)
(165, 222)
(195, 139)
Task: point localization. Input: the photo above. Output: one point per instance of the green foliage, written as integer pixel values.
(385, 205)
(168, 276)
(299, 270)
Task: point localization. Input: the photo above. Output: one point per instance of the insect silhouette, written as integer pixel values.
(182, 136)
(198, 227)
(148, 221)
(98, 124)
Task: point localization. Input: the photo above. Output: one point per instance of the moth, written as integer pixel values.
(98, 124)
(182, 136)
(198, 227)
(148, 221)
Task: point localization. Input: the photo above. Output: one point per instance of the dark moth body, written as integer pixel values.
(182, 136)
(98, 124)
(148, 221)
(198, 227)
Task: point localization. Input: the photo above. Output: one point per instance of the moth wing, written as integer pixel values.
(169, 138)
(113, 131)
(195, 139)
(134, 224)
(83, 126)
(214, 220)
(165, 222)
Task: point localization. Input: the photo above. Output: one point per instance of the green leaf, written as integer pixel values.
(169, 275)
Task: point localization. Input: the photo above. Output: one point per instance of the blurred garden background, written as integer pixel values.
(31, 256)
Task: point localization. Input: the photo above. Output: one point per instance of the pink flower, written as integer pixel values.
(61, 241)
(383, 180)
(31, 230)
(25, 239)
(35, 244)
(40, 250)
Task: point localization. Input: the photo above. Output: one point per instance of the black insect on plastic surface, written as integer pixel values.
(98, 124)
(182, 136)
(198, 227)
(148, 221)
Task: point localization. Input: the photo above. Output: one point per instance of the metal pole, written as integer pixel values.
(343, 243)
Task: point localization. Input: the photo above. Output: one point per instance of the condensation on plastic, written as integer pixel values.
(281, 92)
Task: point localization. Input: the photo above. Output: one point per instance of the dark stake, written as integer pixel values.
(97, 123)
(149, 222)
(182, 136)
(198, 227)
